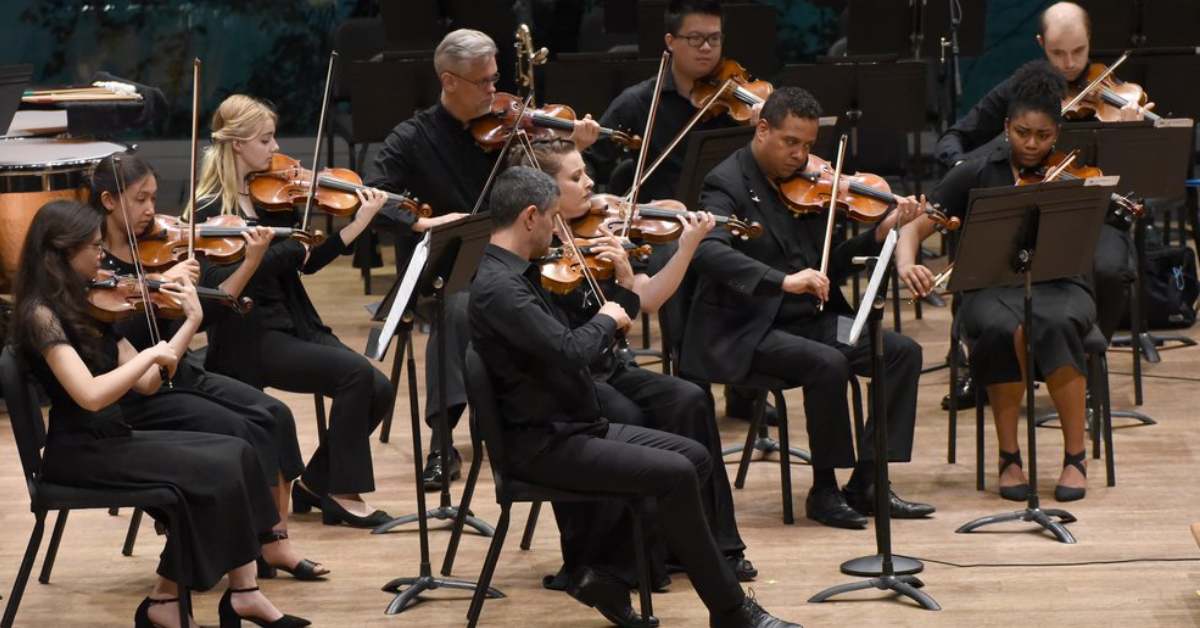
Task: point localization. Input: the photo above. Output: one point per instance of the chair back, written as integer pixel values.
(24, 414)
(486, 422)
(355, 39)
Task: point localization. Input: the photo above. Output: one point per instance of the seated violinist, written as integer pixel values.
(991, 319)
(756, 310)
(627, 393)
(555, 430)
(434, 156)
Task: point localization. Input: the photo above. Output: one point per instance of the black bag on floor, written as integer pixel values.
(1171, 287)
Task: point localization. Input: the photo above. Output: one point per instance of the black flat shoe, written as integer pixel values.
(748, 615)
(742, 568)
(141, 617)
(1020, 492)
(433, 476)
(864, 502)
(1068, 493)
(304, 569)
(609, 595)
(829, 507)
(332, 514)
(303, 500)
(741, 407)
(965, 392)
(230, 618)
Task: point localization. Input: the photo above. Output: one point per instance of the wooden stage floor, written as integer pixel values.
(1146, 515)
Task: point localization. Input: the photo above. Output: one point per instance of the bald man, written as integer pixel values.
(1064, 33)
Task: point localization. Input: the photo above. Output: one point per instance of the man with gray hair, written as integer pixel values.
(434, 157)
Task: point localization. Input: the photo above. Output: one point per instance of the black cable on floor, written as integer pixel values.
(1067, 564)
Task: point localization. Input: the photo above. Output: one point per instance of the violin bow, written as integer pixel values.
(192, 168)
(138, 269)
(503, 151)
(1092, 86)
(683, 133)
(644, 149)
(833, 198)
(312, 188)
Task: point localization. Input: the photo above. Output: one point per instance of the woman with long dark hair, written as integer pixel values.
(86, 368)
(124, 191)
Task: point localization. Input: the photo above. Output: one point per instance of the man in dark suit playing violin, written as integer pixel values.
(756, 309)
(434, 156)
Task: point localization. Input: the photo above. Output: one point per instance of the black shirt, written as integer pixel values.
(434, 157)
(629, 112)
(537, 361)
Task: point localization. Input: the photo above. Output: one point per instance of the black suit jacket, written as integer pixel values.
(738, 291)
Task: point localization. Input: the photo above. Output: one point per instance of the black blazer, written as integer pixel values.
(738, 290)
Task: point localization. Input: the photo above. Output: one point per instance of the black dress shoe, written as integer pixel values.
(1069, 493)
(742, 568)
(965, 391)
(864, 502)
(433, 475)
(607, 594)
(748, 615)
(332, 514)
(741, 407)
(829, 507)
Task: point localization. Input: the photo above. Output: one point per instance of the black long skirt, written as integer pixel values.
(225, 504)
(1063, 314)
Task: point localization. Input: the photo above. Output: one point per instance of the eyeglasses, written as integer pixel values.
(482, 83)
(695, 40)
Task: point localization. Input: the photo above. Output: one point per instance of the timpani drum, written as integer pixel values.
(33, 172)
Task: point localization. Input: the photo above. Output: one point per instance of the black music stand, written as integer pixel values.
(1014, 235)
(883, 570)
(454, 252)
(1153, 161)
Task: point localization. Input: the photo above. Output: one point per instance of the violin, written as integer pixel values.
(1105, 96)
(219, 238)
(112, 297)
(1059, 166)
(864, 197)
(285, 185)
(739, 101)
(655, 222)
(492, 129)
(561, 272)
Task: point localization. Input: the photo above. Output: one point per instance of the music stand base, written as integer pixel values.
(908, 586)
(872, 566)
(769, 446)
(1040, 516)
(414, 587)
(443, 513)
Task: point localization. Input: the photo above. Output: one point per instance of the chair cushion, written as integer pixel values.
(51, 496)
(1095, 342)
(514, 490)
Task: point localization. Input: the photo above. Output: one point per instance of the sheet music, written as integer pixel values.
(416, 265)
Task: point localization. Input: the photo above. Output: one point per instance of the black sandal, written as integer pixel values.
(1068, 493)
(1020, 492)
(141, 617)
(305, 569)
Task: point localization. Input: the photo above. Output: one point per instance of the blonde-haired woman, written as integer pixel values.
(282, 343)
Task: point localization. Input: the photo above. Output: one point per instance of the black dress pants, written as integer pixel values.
(806, 353)
(634, 461)
(636, 396)
(457, 334)
(361, 398)
(1114, 269)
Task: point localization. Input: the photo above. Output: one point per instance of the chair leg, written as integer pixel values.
(60, 522)
(319, 403)
(979, 438)
(464, 505)
(785, 458)
(114, 511)
(185, 597)
(135, 522)
(952, 417)
(643, 565)
(1105, 419)
(535, 509)
(31, 550)
(857, 409)
(760, 408)
(489, 566)
(1094, 408)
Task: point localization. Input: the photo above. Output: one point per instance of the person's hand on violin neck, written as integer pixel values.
(1132, 112)
(258, 240)
(908, 208)
(187, 271)
(424, 224)
(609, 249)
(586, 132)
(613, 310)
(696, 225)
(370, 202)
(807, 281)
(185, 293)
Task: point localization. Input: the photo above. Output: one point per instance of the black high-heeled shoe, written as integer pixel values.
(1070, 493)
(305, 569)
(304, 500)
(230, 618)
(141, 617)
(332, 514)
(1020, 492)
